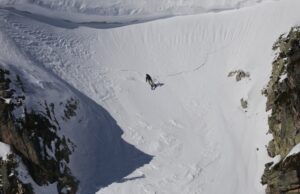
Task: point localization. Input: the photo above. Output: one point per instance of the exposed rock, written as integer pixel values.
(239, 74)
(70, 108)
(283, 99)
(34, 137)
(244, 103)
(9, 181)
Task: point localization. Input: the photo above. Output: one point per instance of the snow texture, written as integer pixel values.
(201, 139)
(4, 150)
(123, 10)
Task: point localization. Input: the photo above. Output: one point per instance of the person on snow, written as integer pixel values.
(150, 81)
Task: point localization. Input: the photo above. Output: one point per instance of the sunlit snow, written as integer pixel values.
(201, 139)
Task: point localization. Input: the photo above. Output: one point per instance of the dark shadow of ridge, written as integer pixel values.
(113, 159)
(101, 156)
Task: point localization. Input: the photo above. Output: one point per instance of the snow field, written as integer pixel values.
(123, 10)
(201, 139)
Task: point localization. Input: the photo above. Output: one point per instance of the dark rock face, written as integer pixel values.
(34, 137)
(9, 181)
(283, 99)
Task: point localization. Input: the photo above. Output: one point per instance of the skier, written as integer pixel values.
(150, 81)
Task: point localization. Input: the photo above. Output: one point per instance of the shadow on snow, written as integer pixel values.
(101, 156)
(62, 23)
(107, 158)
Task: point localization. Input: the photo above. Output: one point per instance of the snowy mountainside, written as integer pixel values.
(201, 138)
(123, 10)
(96, 152)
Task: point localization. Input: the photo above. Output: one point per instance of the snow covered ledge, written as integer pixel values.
(295, 150)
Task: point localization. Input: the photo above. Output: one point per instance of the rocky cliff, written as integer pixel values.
(35, 139)
(283, 102)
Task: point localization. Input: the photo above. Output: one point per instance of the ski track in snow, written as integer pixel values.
(187, 124)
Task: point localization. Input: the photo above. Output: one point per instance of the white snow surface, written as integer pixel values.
(294, 150)
(4, 150)
(123, 10)
(200, 138)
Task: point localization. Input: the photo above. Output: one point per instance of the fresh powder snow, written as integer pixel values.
(190, 134)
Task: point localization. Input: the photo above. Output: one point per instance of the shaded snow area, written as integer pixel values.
(190, 134)
(99, 155)
(123, 10)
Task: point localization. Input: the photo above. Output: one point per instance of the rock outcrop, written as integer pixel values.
(283, 100)
(34, 137)
(9, 180)
(239, 74)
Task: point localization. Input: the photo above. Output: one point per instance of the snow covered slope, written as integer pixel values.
(122, 10)
(201, 139)
(99, 156)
